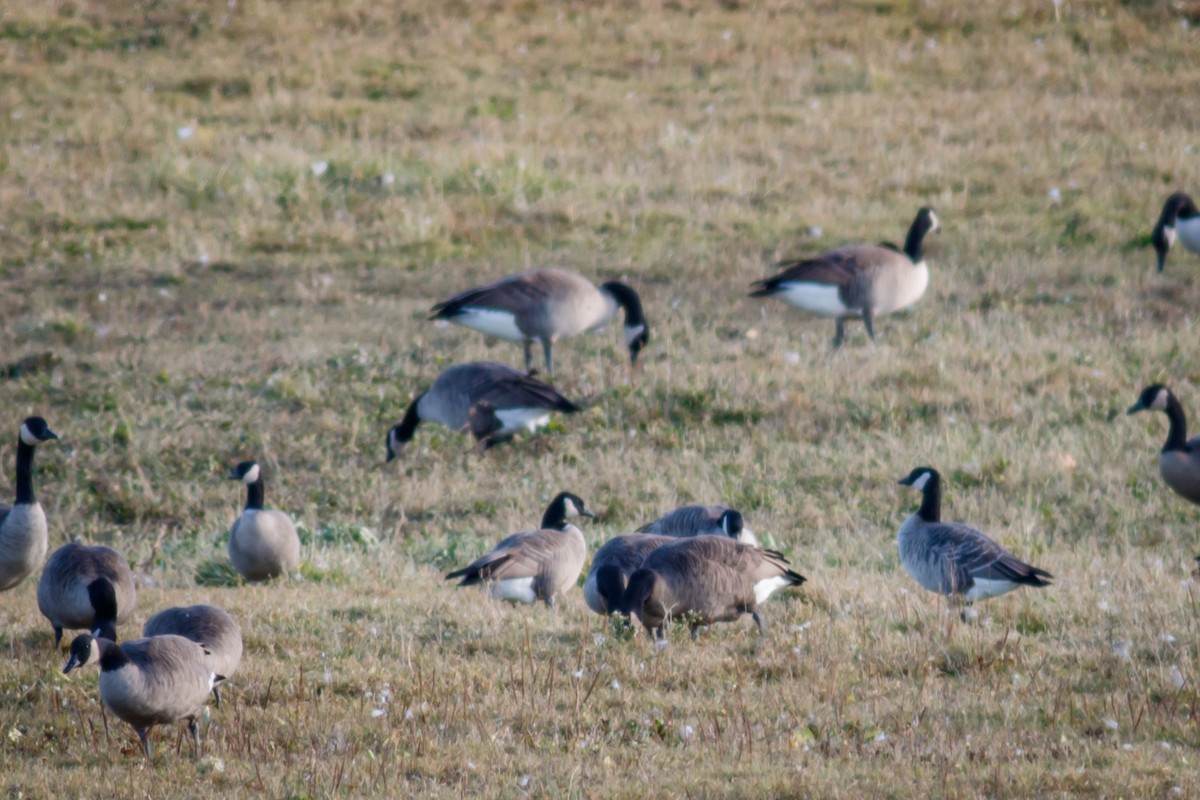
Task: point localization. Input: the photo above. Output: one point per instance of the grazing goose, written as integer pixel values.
(23, 535)
(613, 563)
(506, 401)
(209, 626)
(707, 578)
(1180, 219)
(952, 559)
(86, 587)
(1179, 461)
(546, 305)
(861, 280)
(716, 520)
(534, 565)
(148, 682)
(263, 543)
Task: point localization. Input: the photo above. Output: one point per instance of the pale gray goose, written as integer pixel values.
(862, 280)
(263, 543)
(534, 565)
(148, 682)
(86, 587)
(546, 305)
(706, 579)
(206, 625)
(613, 563)
(699, 520)
(1179, 461)
(505, 401)
(1179, 220)
(955, 560)
(24, 537)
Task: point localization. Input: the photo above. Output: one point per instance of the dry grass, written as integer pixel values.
(206, 297)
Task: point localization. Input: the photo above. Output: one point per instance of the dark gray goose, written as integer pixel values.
(534, 565)
(700, 520)
(205, 625)
(953, 559)
(705, 579)
(546, 305)
(1179, 220)
(86, 587)
(613, 563)
(263, 543)
(1179, 461)
(505, 402)
(148, 682)
(24, 537)
(862, 280)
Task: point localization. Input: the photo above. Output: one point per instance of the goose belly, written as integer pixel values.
(514, 419)
(1188, 231)
(490, 322)
(1181, 471)
(815, 298)
(23, 543)
(514, 590)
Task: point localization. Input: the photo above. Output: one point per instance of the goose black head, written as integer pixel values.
(1154, 397)
(35, 430)
(246, 472)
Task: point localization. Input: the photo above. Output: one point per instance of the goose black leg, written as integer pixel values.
(194, 730)
(528, 354)
(759, 621)
(869, 321)
(840, 336)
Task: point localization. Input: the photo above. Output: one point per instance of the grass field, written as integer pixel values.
(224, 223)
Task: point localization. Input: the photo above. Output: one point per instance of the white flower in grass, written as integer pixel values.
(616, 686)
(319, 168)
(660, 645)
(378, 712)
(185, 132)
(1177, 679)
(687, 732)
(1111, 724)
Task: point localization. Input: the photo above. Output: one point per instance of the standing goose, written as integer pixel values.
(534, 565)
(861, 280)
(23, 534)
(263, 543)
(546, 305)
(953, 559)
(1180, 218)
(208, 626)
(715, 520)
(710, 578)
(86, 587)
(613, 563)
(148, 682)
(1179, 461)
(506, 401)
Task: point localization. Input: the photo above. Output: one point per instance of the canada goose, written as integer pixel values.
(717, 520)
(861, 280)
(149, 682)
(709, 578)
(613, 563)
(263, 543)
(86, 586)
(506, 401)
(534, 565)
(205, 625)
(1180, 218)
(1179, 461)
(546, 305)
(23, 534)
(955, 560)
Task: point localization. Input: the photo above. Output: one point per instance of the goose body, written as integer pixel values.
(24, 537)
(955, 560)
(860, 280)
(504, 400)
(613, 563)
(1179, 461)
(263, 543)
(1179, 220)
(148, 682)
(86, 587)
(700, 520)
(205, 625)
(534, 565)
(710, 578)
(545, 305)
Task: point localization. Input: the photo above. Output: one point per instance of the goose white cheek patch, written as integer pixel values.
(1160, 401)
(919, 483)
(632, 332)
(251, 474)
(569, 508)
(27, 436)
